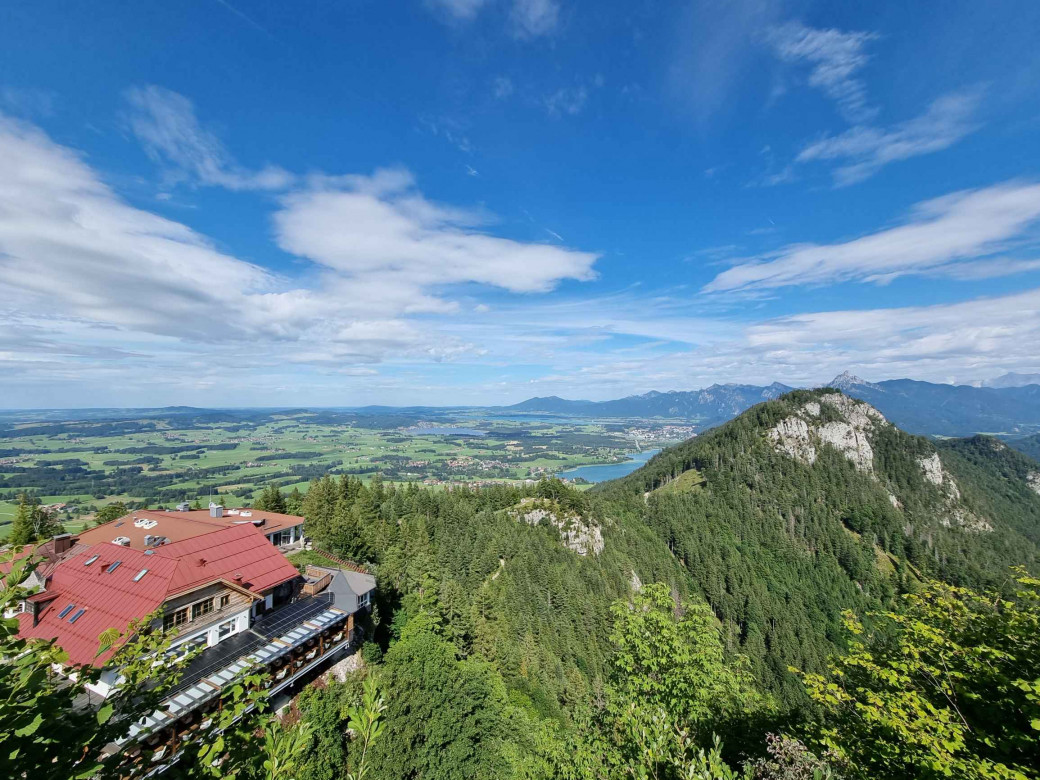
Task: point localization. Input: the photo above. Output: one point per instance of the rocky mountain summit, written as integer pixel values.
(849, 426)
(579, 534)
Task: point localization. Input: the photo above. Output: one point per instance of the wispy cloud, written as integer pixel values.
(502, 87)
(458, 9)
(567, 100)
(952, 235)
(528, 19)
(863, 150)
(835, 56)
(534, 18)
(165, 123)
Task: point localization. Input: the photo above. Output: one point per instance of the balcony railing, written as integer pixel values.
(287, 645)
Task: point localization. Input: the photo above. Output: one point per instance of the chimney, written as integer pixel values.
(63, 543)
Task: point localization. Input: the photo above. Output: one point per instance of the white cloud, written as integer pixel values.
(863, 150)
(951, 235)
(980, 337)
(835, 57)
(114, 291)
(533, 18)
(165, 122)
(937, 342)
(381, 229)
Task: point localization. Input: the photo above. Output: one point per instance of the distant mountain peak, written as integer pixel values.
(1013, 379)
(847, 381)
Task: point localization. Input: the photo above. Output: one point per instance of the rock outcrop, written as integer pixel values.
(583, 536)
(814, 426)
(800, 435)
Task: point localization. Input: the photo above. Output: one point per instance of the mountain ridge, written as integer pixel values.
(927, 408)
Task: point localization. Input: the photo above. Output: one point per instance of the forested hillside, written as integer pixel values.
(813, 503)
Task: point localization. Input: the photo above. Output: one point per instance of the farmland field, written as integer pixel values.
(157, 458)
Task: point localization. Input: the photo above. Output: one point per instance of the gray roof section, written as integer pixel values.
(347, 587)
(358, 582)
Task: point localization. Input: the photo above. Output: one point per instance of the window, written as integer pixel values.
(175, 619)
(201, 608)
(66, 611)
(90, 560)
(225, 600)
(77, 616)
(225, 629)
(140, 575)
(113, 567)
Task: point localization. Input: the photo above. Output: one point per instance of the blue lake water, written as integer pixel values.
(445, 432)
(610, 470)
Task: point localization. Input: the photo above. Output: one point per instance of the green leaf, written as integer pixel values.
(104, 714)
(31, 728)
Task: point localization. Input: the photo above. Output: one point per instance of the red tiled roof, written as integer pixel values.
(240, 554)
(177, 526)
(111, 599)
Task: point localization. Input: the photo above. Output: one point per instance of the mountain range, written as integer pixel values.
(918, 407)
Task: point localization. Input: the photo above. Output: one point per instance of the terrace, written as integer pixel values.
(288, 644)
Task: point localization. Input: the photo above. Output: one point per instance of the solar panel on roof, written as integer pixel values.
(66, 611)
(113, 567)
(77, 616)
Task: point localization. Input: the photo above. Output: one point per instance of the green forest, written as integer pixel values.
(749, 614)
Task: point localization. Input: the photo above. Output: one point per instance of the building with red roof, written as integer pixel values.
(146, 528)
(209, 587)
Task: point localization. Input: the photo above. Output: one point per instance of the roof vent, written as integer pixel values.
(145, 522)
(123, 540)
(246, 514)
(202, 561)
(216, 510)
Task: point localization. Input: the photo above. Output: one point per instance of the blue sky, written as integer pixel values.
(346, 202)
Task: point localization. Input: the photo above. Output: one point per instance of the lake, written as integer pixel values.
(609, 471)
(445, 432)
